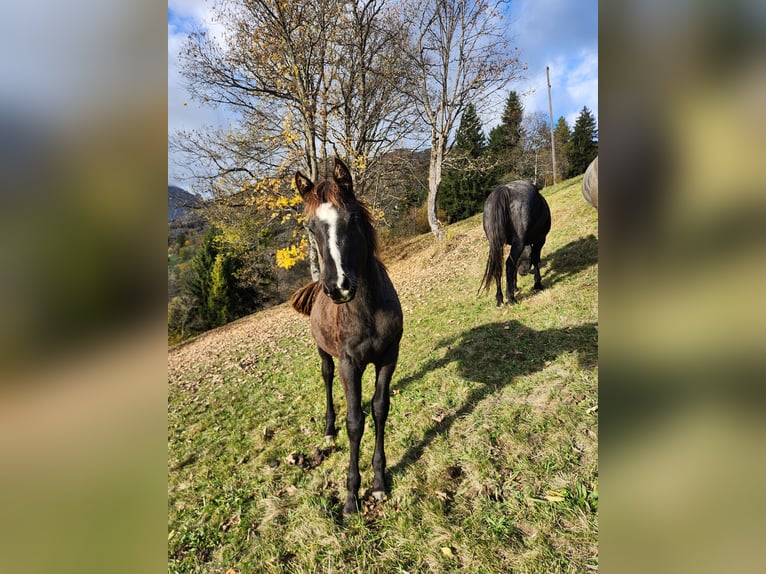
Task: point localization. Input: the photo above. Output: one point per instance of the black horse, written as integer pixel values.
(515, 214)
(355, 314)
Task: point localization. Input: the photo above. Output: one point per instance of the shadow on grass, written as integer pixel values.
(569, 259)
(494, 355)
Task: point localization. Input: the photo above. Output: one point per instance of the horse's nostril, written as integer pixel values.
(344, 284)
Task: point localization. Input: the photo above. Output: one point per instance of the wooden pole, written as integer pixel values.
(550, 111)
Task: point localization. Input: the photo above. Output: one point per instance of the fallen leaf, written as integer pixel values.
(447, 551)
(554, 496)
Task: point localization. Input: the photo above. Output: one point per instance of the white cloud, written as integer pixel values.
(582, 85)
(562, 35)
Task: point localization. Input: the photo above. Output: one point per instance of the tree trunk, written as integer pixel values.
(313, 259)
(434, 179)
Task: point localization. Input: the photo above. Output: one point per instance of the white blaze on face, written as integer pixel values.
(328, 214)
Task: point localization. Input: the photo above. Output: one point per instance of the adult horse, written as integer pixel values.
(590, 184)
(515, 214)
(355, 314)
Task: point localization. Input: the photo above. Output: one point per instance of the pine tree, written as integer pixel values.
(198, 281)
(562, 136)
(216, 294)
(506, 136)
(218, 300)
(470, 138)
(584, 143)
(466, 183)
(505, 139)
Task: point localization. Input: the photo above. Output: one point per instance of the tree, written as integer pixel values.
(214, 292)
(562, 136)
(507, 134)
(584, 143)
(470, 138)
(373, 107)
(535, 161)
(505, 139)
(304, 80)
(467, 178)
(459, 55)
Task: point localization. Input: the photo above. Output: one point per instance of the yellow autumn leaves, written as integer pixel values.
(289, 256)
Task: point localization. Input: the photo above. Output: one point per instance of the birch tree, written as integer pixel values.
(459, 54)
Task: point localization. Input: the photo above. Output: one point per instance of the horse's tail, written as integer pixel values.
(303, 299)
(496, 221)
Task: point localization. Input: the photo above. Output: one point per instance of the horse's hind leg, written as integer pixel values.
(328, 371)
(510, 271)
(535, 261)
(499, 292)
(380, 404)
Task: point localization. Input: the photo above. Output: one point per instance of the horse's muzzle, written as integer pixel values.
(338, 294)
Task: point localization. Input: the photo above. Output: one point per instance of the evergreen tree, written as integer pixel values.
(467, 182)
(562, 135)
(215, 293)
(470, 138)
(198, 281)
(584, 143)
(218, 300)
(507, 134)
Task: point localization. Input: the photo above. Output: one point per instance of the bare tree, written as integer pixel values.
(536, 163)
(376, 112)
(459, 56)
(304, 80)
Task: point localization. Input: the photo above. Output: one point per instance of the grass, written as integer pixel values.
(491, 440)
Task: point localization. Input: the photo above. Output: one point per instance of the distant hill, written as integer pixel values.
(181, 203)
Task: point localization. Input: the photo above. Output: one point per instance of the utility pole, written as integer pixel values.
(550, 111)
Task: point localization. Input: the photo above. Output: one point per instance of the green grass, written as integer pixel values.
(491, 440)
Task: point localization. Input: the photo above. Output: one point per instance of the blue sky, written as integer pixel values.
(561, 34)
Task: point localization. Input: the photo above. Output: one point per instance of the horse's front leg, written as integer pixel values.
(380, 405)
(352, 378)
(328, 371)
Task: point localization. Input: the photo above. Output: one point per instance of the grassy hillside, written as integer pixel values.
(491, 440)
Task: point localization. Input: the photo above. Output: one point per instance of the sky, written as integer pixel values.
(561, 34)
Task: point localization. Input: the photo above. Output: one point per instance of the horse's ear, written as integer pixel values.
(303, 184)
(342, 176)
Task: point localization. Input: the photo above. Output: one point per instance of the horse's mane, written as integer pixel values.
(303, 299)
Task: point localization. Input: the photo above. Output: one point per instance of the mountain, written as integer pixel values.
(182, 204)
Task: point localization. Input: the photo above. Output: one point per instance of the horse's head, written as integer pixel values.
(341, 228)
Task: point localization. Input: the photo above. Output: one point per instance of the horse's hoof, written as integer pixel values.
(329, 440)
(379, 495)
(350, 509)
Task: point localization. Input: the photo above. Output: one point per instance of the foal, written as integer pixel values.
(355, 314)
